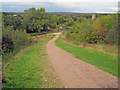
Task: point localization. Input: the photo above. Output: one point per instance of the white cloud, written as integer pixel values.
(83, 0)
(10, 0)
(62, 5)
(60, 0)
(12, 6)
(103, 12)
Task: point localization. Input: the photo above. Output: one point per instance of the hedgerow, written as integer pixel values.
(103, 30)
(13, 41)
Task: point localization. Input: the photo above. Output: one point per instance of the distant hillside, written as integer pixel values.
(68, 13)
(73, 13)
(62, 13)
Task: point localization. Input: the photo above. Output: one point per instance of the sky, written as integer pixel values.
(59, 0)
(79, 6)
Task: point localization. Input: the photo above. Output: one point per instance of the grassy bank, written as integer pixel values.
(106, 62)
(31, 69)
(106, 48)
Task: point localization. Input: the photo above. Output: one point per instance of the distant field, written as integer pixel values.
(31, 69)
(106, 62)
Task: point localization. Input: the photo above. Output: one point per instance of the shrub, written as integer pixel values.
(103, 30)
(14, 40)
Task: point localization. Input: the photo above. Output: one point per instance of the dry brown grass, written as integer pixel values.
(106, 48)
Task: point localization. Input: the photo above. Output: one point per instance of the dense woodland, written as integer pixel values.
(80, 28)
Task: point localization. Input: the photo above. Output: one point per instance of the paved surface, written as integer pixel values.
(76, 73)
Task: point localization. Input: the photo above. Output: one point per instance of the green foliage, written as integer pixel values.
(14, 29)
(12, 21)
(80, 31)
(65, 21)
(102, 30)
(38, 20)
(69, 21)
(110, 23)
(13, 41)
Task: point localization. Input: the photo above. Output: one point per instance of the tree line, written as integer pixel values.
(103, 30)
(80, 28)
(16, 29)
(38, 20)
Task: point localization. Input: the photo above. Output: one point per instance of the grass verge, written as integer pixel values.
(106, 62)
(31, 69)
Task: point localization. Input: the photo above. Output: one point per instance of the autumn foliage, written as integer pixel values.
(103, 30)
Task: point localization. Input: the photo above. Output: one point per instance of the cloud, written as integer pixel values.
(82, 7)
(10, 0)
(12, 6)
(60, 0)
(103, 12)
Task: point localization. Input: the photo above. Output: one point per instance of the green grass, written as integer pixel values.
(30, 68)
(106, 62)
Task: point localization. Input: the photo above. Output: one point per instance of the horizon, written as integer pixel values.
(76, 7)
(64, 12)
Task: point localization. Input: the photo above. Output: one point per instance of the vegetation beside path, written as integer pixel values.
(106, 62)
(31, 69)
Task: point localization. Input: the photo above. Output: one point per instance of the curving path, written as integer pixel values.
(76, 73)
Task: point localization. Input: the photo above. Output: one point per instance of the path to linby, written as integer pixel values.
(76, 73)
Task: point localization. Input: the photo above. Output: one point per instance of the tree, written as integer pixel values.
(12, 21)
(38, 20)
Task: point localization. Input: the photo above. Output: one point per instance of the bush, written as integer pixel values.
(14, 22)
(13, 41)
(108, 25)
(104, 30)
